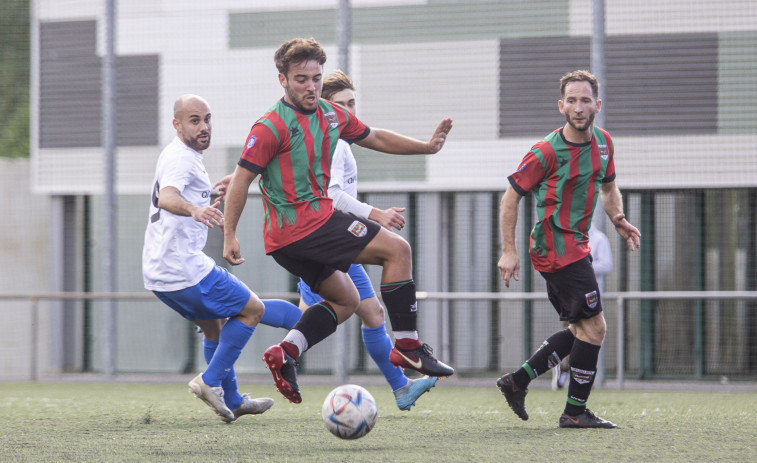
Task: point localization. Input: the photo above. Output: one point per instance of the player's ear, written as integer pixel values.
(283, 80)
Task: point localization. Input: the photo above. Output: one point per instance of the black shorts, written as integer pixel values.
(334, 246)
(574, 292)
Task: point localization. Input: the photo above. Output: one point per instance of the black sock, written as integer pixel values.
(317, 323)
(401, 305)
(547, 356)
(583, 370)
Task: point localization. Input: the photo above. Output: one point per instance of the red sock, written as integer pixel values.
(407, 344)
(291, 349)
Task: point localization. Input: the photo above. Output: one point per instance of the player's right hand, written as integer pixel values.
(232, 252)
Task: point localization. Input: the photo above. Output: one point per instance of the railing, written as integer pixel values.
(619, 297)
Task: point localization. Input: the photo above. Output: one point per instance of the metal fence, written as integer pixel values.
(623, 329)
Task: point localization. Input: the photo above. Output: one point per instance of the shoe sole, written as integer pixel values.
(263, 407)
(399, 360)
(569, 423)
(274, 360)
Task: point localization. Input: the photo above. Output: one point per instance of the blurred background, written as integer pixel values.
(86, 95)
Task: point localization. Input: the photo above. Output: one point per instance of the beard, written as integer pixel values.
(198, 145)
(300, 101)
(581, 128)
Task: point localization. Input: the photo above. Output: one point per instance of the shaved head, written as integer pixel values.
(191, 119)
(184, 100)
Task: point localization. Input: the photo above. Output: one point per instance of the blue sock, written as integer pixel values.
(280, 313)
(229, 384)
(234, 336)
(378, 345)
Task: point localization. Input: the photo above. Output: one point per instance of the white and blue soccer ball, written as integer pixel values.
(349, 412)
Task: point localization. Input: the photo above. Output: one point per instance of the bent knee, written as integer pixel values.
(252, 311)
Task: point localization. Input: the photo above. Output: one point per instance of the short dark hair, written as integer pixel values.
(335, 83)
(580, 76)
(298, 50)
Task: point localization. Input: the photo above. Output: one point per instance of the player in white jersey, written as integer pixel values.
(337, 87)
(180, 274)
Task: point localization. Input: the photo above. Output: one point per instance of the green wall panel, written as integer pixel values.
(416, 23)
(737, 95)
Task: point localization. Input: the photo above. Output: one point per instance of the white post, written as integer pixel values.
(109, 212)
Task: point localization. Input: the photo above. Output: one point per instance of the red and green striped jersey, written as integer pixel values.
(565, 179)
(292, 151)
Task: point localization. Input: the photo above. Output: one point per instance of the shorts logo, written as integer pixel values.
(358, 229)
(251, 141)
(592, 299)
(332, 119)
(581, 376)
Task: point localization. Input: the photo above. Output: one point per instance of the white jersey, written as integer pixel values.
(343, 182)
(172, 257)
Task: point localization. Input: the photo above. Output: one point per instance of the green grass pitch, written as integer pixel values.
(84, 421)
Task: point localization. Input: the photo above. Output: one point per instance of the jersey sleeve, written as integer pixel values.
(530, 173)
(610, 170)
(345, 202)
(176, 172)
(353, 130)
(261, 146)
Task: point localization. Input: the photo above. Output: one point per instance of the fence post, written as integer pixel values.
(34, 375)
(621, 342)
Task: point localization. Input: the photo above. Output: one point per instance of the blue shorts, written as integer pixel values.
(357, 274)
(219, 295)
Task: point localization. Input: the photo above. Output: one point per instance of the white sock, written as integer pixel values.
(298, 339)
(406, 335)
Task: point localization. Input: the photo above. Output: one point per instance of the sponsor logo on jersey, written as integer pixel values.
(358, 229)
(592, 299)
(251, 141)
(332, 119)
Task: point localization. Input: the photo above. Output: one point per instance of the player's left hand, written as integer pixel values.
(629, 233)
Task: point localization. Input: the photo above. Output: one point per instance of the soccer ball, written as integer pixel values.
(349, 412)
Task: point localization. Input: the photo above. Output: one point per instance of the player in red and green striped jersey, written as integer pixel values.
(291, 147)
(566, 172)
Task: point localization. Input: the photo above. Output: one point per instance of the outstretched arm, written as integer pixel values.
(612, 202)
(387, 141)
